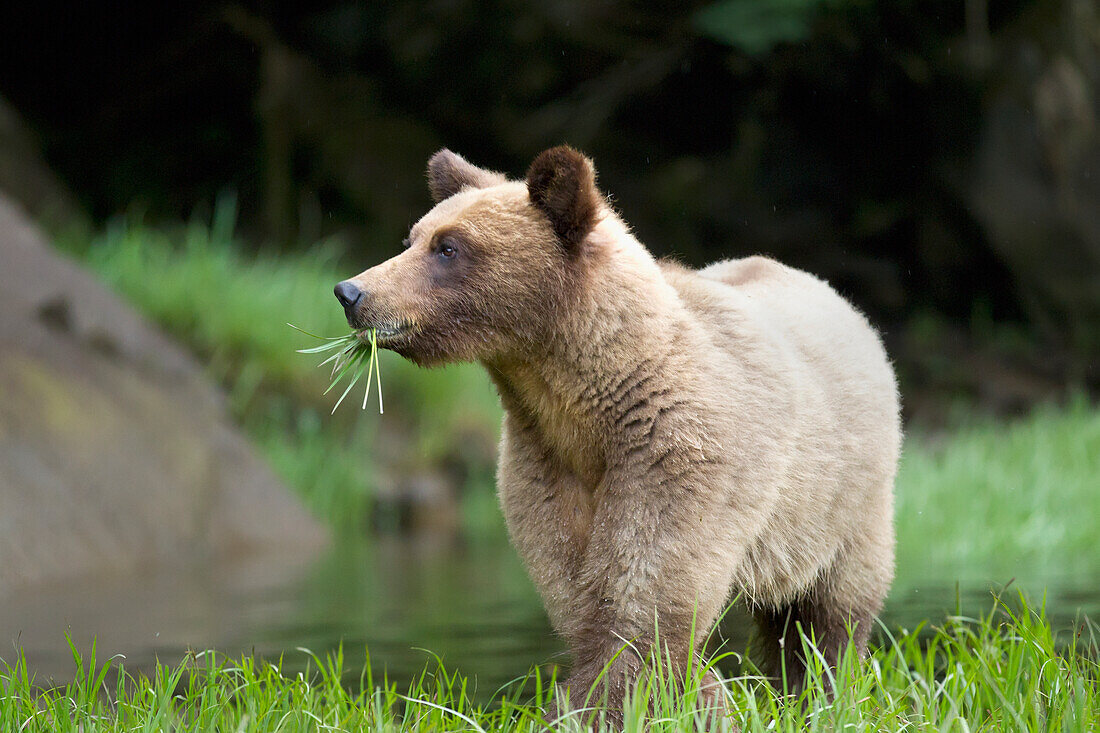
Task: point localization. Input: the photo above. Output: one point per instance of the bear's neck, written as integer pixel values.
(608, 367)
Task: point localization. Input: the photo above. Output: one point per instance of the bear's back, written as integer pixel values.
(791, 323)
(812, 394)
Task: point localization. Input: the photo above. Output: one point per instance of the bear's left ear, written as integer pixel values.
(562, 184)
(449, 173)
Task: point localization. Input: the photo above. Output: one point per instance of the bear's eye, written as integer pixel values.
(447, 249)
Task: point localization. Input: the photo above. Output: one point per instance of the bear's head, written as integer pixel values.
(489, 268)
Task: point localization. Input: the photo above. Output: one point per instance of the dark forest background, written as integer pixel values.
(938, 161)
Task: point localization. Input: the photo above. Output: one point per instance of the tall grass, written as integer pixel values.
(1007, 671)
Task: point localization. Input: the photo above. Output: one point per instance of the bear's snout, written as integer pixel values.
(349, 295)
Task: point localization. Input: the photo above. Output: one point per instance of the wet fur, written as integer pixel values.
(671, 436)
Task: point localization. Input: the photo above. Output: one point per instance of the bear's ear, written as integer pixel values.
(449, 173)
(562, 184)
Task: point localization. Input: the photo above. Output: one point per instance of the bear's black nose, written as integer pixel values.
(347, 294)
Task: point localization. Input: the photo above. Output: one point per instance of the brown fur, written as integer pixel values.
(562, 184)
(449, 173)
(670, 436)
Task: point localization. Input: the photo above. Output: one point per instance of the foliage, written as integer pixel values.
(1005, 671)
(756, 26)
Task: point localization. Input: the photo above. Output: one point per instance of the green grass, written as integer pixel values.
(351, 356)
(1006, 671)
(995, 500)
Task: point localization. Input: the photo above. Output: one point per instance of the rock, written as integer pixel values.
(115, 452)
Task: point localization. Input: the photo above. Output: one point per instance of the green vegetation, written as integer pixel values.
(755, 27)
(1006, 671)
(354, 355)
(995, 500)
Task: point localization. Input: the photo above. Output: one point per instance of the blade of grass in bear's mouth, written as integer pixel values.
(353, 356)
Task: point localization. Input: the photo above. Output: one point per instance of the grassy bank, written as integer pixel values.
(987, 500)
(1007, 671)
(1001, 501)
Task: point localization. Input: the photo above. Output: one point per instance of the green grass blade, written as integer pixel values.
(350, 353)
(370, 376)
(335, 344)
(354, 379)
(323, 338)
(345, 369)
(377, 370)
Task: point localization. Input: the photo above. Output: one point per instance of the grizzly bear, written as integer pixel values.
(671, 436)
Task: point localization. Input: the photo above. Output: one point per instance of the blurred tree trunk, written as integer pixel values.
(275, 114)
(1035, 187)
(978, 40)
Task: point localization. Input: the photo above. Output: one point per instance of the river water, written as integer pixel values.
(406, 600)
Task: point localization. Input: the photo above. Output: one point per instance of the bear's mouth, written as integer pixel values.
(386, 332)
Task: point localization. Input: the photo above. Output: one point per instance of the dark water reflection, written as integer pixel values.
(470, 603)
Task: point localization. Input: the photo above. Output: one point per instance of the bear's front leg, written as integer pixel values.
(600, 683)
(549, 515)
(655, 575)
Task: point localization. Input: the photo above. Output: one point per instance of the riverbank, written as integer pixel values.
(1009, 670)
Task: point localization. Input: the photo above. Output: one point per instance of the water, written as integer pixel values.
(470, 603)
